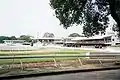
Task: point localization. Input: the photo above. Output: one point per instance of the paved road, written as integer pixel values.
(98, 75)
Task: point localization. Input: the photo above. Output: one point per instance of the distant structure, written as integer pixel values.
(110, 38)
(45, 41)
(12, 42)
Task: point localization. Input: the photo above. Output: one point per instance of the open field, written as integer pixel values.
(45, 52)
(37, 62)
(40, 65)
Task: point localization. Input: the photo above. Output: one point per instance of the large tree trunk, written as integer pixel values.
(114, 14)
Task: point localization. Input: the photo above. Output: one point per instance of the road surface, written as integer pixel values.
(98, 75)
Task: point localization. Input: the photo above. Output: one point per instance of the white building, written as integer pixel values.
(14, 42)
(108, 39)
(114, 39)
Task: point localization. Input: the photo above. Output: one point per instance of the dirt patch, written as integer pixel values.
(58, 64)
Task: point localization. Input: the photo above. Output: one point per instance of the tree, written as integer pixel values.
(13, 38)
(27, 38)
(4, 38)
(75, 35)
(48, 35)
(92, 13)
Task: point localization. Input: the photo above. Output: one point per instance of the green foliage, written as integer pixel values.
(69, 12)
(27, 38)
(94, 15)
(7, 38)
(4, 38)
(48, 35)
(75, 35)
(13, 38)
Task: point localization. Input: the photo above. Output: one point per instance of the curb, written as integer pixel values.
(57, 73)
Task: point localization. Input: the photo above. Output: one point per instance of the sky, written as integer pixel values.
(30, 17)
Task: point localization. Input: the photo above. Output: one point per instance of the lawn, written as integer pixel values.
(9, 53)
(4, 63)
(33, 60)
(62, 52)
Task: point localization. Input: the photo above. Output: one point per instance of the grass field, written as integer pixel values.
(62, 52)
(6, 68)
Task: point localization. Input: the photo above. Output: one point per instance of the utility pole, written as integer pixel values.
(37, 39)
(37, 35)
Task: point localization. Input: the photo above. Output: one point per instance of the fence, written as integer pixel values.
(99, 57)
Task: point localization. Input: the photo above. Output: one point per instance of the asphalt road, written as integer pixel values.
(98, 75)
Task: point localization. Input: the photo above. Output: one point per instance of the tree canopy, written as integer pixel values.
(4, 38)
(13, 38)
(75, 35)
(27, 38)
(48, 35)
(92, 13)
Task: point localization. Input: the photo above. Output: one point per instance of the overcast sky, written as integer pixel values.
(18, 17)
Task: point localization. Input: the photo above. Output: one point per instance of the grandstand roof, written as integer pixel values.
(94, 37)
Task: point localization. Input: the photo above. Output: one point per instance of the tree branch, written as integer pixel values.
(114, 14)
